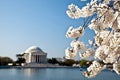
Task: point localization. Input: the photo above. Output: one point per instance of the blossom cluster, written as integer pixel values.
(94, 69)
(105, 22)
(74, 33)
(87, 53)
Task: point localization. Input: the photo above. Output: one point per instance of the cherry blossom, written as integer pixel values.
(87, 53)
(116, 67)
(70, 53)
(77, 45)
(75, 33)
(103, 17)
(94, 69)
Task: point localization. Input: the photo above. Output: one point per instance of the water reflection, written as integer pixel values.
(34, 71)
(52, 74)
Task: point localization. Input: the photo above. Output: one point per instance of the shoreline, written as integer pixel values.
(9, 67)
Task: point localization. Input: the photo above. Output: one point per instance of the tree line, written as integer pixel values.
(4, 61)
(69, 62)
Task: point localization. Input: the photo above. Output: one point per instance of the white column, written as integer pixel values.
(29, 58)
(33, 58)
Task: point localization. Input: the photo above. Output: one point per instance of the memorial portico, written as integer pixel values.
(38, 58)
(35, 55)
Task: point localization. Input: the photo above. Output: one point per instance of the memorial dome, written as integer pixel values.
(34, 49)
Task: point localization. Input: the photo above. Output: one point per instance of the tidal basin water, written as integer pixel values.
(52, 74)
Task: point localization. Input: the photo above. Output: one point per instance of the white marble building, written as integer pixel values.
(35, 55)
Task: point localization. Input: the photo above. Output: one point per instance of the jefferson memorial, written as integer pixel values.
(35, 55)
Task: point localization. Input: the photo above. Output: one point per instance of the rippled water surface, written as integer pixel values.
(52, 74)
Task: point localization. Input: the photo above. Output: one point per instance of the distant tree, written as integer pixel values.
(77, 62)
(5, 60)
(85, 63)
(20, 59)
(61, 63)
(49, 60)
(69, 62)
(52, 61)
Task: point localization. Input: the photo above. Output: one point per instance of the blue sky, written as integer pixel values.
(43, 23)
